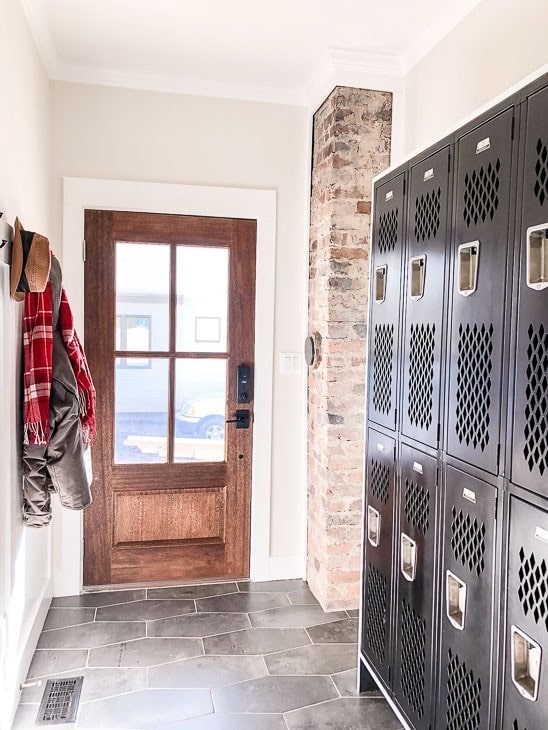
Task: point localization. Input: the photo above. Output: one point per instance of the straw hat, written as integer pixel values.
(30, 262)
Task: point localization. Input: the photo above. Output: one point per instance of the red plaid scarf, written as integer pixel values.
(38, 367)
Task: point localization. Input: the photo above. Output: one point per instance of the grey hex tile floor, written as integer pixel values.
(225, 656)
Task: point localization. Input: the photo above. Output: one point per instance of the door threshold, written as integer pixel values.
(162, 584)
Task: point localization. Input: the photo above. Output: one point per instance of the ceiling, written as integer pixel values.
(249, 49)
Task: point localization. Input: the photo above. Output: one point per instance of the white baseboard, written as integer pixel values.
(23, 658)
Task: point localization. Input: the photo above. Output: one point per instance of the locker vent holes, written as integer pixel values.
(421, 375)
(536, 409)
(468, 541)
(481, 198)
(474, 367)
(463, 696)
(380, 481)
(376, 611)
(388, 231)
(417, 506)
(541, 169)
(533, 588)
(413, 657)
(427, 215)
(382, 367)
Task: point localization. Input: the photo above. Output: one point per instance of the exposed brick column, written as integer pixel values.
(352, 133)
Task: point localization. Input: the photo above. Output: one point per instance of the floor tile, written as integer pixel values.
(107, 598)
(211, 589)
(242, 602)
(273, 694)
(347, 683)
(98, 683)
(293, 617)
(345, 714)
(87, 636)
(145, 652)
(207, 672)
(59, 618)
(199, 624)
(26, 717)
(353, 612)
(220, 721)
(337, 632)
(145, 610)
(149, 708)
(276, 586)
(313, 659)
(304, 597)
(256, 641)
(48, 661)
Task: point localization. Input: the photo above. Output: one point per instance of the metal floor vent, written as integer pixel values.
(60, 701)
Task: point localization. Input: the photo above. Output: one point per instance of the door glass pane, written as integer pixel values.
(142, 297)
(200, 407)
(202, 298)
(141, 411)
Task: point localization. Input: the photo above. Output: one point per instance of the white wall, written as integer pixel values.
(25, 570)
(111, 133)
(499, 43)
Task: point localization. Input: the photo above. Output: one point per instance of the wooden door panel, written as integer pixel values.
(175, 520)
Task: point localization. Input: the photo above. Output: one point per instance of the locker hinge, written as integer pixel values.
(513, 127)
(395, 417)
(394, 454)
(404, 186)
(389, 674)
(498, 456)
(449, 162)
(438, 436)
(437, 476)
(496, 506)
(84, 251)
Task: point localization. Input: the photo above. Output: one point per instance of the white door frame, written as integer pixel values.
(80, 194)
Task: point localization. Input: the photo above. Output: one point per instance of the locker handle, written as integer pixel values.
(417, 273)
(537, 257)
(468, 262)
(380, 283)
(456, 601)
(526, 661)
(408, 561)
(373, 526)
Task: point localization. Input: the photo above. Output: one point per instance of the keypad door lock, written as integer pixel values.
(244, 385)
(242, 420)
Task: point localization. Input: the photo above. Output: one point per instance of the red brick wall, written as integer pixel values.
(351, 144)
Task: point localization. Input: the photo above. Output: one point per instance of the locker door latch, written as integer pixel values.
(526, 660)
(537, 257)
(417, 273)
(468, 263)
(408, 557)
(380, 283)
(373, 526)
(456, 601)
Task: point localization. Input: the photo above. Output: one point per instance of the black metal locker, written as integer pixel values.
(467, 610)
(377, 582)
(530, 421)
(526, 671)
(479, 269)
(424, 296)
(388, 236)
(415, 566)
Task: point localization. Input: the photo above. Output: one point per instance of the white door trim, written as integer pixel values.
(80, 194)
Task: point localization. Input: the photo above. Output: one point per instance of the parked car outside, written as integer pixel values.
(202, 418)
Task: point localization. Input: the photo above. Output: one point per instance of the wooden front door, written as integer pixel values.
(169, 318)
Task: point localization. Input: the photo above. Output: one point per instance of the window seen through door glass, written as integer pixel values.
(200, 399)
(142, 298)
(141, 411)
(202, 299)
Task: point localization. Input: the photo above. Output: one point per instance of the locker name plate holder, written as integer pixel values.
(469, 495)
(526, 662)
(483, 145)
(541, 535)
(537, 257)
(428, 175)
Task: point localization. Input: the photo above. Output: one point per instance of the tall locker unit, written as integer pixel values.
(479, 257)
(525, 690)
(454, 619)
(423, 296)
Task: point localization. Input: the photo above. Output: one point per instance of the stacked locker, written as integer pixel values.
(380, 477)
(480, 261)
(525, 700)
(423, 332)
